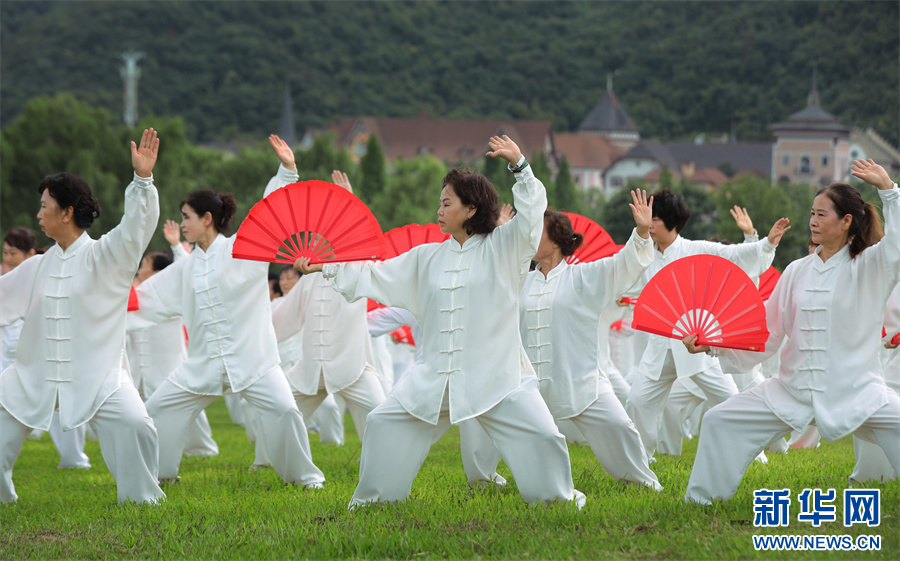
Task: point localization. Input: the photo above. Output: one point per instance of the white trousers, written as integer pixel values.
(396, 445)
(647, 399)
(199, 440)
(614, 439)
(69, 444)
(807, 439)
(871, 463)
(679, 407)
(619, 384)
(329, 418)
(479, 455)
(734, 432)
(174, 409)
(128, 442)
(362, 396)
(572, 433)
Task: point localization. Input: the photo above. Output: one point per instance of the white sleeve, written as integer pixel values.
(394, 282)
(16, 288)
(606, 279)
(124, 245)
(159, 298)
(281, 178)
(521, 236)
(385, 320)
(288, 316)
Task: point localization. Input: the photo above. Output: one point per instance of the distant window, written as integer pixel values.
(805, 166)
(824, 161)
(616, 181)
(854, 155)
(424, 150)
(577, 178)
(359, 149)
(784, 179)
(786, 161)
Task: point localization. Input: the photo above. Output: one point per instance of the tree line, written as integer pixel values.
(65, 134)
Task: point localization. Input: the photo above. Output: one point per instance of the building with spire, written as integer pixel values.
(286, 129)
(811, 146)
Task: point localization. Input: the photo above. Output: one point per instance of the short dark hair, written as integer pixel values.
(671, 209)
(559, 231)
(21, 238)
(159, 260)
(288, 268)
(274, 284)
(71, 191)
(220, 206)
(472, 188)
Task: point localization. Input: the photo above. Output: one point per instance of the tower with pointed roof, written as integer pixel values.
(610, 121)
(811, 146)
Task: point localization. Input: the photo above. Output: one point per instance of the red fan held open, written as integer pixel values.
(704, 295)
(312, 219)
(597, 242)
(767, 282)
(402, 239)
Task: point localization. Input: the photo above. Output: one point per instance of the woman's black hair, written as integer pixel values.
(220, 206)
(671, 209)
(159, 260)
(21, 238)
(69, 190)
(865, 227)
(472, 188)
(559, 231)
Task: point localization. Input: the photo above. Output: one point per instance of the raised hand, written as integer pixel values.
(872, 173)
(742, 219)
(642, 209)
(778, 230)
(504, 148)
(143, 157)
(340, 178)
(506, 214)
(283, 151)
(172, 232)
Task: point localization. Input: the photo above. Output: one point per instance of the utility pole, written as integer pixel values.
(130, 74)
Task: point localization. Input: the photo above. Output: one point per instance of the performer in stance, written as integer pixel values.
(72, 346)
(828, 308)
(464, 294)
(231, 343)
(559, 310)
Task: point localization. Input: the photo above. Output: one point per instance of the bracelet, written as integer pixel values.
(522, 164)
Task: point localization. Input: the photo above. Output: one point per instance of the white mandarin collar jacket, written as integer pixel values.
(72, 345)
(752, 258)
(465, 298)
(334, 338)
(559, 320)
(225, 306)
(830, 314)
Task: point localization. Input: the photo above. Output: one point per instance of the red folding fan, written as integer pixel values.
(629, 300)
(403, 334)
(402, 239)
(895, 340)
(704, 295)
(373, 305)
(597, 242)
(767, 282)
(312, 219)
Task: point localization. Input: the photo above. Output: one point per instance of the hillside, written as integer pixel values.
(680, 68)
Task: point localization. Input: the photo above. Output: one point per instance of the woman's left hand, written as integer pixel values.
(302, 265)
(690, 343)
(642, 209)
(872, 173)
(504, 148)
(778, 230)
(283, 151)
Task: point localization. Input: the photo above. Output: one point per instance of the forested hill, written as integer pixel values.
(680, 67)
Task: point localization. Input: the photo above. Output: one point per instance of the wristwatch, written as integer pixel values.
(520, 165)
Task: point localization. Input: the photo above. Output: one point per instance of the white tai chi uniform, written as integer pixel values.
(231, 348)
(479, 455)
(830, 313)
(465, 297)
(71, 353)
(666, 359)
(871, 462)
(559, 318)
(336, 347)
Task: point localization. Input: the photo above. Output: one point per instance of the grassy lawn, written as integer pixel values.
(221, 510)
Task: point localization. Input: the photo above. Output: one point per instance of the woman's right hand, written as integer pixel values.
(302, 265)
(690, 343)
(504, 148)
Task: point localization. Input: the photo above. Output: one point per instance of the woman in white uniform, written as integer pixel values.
(231, 345)
(829, 308)
(666, 359)
(464, 294)
(71, 353)
(559, 316)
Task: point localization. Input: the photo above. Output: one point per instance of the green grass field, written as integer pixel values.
(221, 510)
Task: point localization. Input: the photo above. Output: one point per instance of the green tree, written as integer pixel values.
(566, 190)
(540, 166)
(373, 171)
(411, 194)
(704, 212)
(617, 218)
